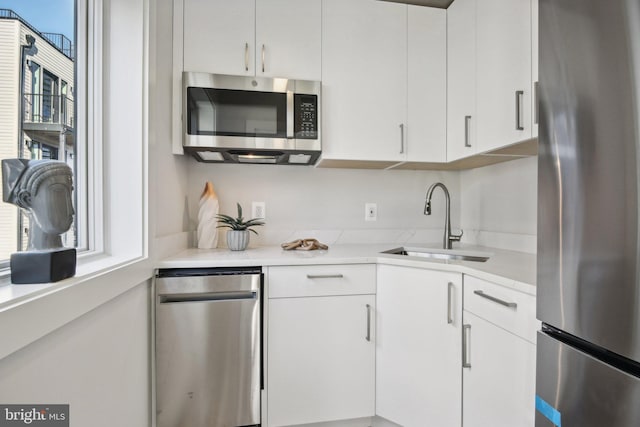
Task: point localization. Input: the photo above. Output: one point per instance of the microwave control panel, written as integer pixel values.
(306, 116)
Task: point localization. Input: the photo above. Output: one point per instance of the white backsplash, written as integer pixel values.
(329, 204)
(499, 205)
(495, 205)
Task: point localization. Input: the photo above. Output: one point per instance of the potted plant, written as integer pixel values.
(238, 235)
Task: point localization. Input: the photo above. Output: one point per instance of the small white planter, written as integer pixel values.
(237, 240)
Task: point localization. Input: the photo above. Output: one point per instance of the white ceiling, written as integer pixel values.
(433, 3)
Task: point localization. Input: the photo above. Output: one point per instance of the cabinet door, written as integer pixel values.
(321, 359)
(364, 79)
(503, 72)
(499, 387)
(418, 353)
(461, 79)
(427, 81)
(219, 36)
(288, 38)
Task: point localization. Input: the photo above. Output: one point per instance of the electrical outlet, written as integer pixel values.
(370, 212)
(258, 210)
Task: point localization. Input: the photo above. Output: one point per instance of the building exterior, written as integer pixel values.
(36, 106)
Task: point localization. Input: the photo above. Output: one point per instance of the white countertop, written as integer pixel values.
(512, 269)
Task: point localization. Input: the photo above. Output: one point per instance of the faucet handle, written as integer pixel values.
(456, 237)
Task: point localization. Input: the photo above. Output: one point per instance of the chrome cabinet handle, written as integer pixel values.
(466, 347)
(368, 337)
(263, 58)
(246, 56)
(401, 138)
(496, 300)
(325, 276)
(519, 97)
(467, 126)
(449, 301)
(536, 108)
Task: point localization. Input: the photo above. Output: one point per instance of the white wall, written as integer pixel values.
(499, 205)
(98, 364)
(329, 204)
(168, 172)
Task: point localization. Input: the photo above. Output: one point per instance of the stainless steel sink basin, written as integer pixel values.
(447, 254)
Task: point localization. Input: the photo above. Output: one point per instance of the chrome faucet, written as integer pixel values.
(448, 237)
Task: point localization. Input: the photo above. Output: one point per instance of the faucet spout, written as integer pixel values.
(448, 238)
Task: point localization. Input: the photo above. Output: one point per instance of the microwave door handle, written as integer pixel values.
(289, 115)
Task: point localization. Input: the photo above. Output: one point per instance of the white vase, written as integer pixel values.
(237, 240)
(207, 218)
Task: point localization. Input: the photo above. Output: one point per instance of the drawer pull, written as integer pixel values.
(325, 276)
(496, 300)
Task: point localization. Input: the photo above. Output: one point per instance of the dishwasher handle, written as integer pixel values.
(206, 296)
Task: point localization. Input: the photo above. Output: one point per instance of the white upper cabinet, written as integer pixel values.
(489, 75)
(461, 80)
(288, 38)
(364, 80)
(503, 72)
(270, 38)
(219, 36)
(427, 89)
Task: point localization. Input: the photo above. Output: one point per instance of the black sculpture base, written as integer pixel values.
(42, 266)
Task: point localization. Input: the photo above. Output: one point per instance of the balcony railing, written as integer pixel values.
(53, 109)
(59, 41)
(62, 43)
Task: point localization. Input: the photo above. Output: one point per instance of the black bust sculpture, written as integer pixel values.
(43, 189)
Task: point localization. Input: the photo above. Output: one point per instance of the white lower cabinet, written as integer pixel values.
(500, 357)
(418, 355)
(339, 349)
(321, 349)
(498, 386)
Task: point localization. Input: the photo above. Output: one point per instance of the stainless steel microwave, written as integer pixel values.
(235, 119)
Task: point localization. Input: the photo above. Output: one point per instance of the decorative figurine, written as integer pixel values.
(207, 213)
(43, 189)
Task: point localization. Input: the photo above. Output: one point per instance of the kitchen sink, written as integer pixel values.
(446, 254)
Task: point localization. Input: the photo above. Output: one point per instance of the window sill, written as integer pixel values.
(28, 312)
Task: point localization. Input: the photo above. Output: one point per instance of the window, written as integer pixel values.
(39, 39)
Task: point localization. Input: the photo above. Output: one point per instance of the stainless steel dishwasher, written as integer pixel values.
(208, 347)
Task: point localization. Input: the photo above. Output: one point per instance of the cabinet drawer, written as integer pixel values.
(321, 280)
(510, 309)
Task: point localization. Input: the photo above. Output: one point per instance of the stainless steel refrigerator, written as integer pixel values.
(588, 360)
